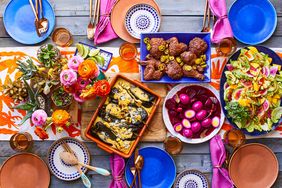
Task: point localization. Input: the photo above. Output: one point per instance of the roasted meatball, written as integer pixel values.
(174, 70)
(188, 57)
(175, 48)
(198, 46)
(150, 73)
(155, 47)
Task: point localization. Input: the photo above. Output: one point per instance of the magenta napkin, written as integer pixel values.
(220, 177)
(104, 31)
(117, 167)
(222, 28)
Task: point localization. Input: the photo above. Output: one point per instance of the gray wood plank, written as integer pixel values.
(178, 7)
(78, 25)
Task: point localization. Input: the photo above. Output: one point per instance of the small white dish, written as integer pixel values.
(58, 167)
(191, 178)
(142, 18)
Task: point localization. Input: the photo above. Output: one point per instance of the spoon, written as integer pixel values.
(133, 171)
(43, 22)
(139, 163)
(90, 28)
(69, 158)
(36, 18)
(207, 11)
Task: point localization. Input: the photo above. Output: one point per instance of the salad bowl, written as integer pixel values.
(265, 70)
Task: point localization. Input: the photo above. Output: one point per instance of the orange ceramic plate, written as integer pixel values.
(118, 15)
(253, 165)
(24, 170)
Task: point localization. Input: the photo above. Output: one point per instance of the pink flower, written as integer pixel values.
(77, 97)
(74, 62)
(39, 117)
(68, 77)
(81, 84)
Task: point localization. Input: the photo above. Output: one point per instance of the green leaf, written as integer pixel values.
(26, 117)
(25, 106)
(49, 47)
(30, 92)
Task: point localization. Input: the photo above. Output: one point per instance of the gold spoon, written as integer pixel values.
(206, 14)
(90, 28)
(69, 158)
(36, 18)
(43, 22)
(139, 163)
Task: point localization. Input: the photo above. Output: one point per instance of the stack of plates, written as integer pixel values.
(129, 20)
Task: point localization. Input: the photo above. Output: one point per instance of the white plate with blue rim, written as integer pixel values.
(191, 178)
(142, 18)
(58, 167)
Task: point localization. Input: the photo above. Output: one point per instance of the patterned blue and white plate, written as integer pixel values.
(62, 170)
(191, 179)
(142, 18)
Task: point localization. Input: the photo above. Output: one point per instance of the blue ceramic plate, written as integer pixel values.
(19, 19)
(191, 179)
(158, 171)
(275, 60)
(182, 37)
(107, 55)
(58, 167)
(142, 18)
(252, 21)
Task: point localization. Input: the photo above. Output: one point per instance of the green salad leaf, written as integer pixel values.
(239, 114)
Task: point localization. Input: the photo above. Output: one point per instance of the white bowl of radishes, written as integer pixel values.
(193, 112)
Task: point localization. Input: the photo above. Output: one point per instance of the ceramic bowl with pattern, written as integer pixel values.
(142, 18)
(61, 169)
(191, 179)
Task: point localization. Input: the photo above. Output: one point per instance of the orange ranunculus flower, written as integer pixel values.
(88, 69)
(60, 117)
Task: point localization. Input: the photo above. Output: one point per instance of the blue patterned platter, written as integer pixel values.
(191, 179)
(58, 167)
(142, 18)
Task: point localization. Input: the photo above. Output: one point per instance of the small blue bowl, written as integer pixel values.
(252, 21)
(159, 169)
(275, 60)
(182, 37)
(19, 19)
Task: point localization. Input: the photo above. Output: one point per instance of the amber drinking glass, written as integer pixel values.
(226, 47)
(173, 145)
(62, 37)
(21, 141)
(234, 138)
(128, 51)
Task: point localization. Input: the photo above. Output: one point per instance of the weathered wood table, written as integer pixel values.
(177, 16)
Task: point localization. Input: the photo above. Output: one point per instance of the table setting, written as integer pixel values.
(116, 93)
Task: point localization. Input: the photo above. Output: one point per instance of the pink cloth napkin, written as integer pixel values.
(220, 177)
(222, 28)
(104, 30)
(117, 167)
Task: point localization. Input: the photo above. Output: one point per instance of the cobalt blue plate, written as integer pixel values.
(275, 60)
(159, 170)
(252, 21)
(19, 19)
(182, 37)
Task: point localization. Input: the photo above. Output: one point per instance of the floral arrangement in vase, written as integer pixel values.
(83, 79)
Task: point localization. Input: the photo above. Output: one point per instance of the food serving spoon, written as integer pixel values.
(69, 158)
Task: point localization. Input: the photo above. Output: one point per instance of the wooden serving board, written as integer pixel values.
(156, 130)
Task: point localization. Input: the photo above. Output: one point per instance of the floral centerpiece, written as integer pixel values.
(81, 78)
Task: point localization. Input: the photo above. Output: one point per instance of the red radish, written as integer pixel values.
(190, 114)
(188, 133)
(215, 121)
(197, 106)
(178, 127)
(186, 123)
(201, 115)
(206, 122)
(184, 99)
(195, 127)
